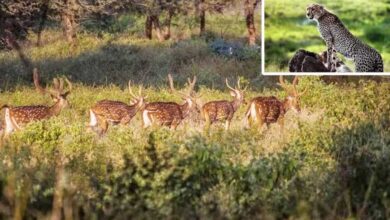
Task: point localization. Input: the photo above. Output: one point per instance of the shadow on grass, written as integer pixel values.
(114, 63)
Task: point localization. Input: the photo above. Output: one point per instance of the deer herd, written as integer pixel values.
(261, 110)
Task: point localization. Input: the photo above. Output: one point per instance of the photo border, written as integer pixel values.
(262, 68)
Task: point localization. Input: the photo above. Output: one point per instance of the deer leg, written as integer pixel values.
(281, 124)
(260, 121)
(208, 122)
(248, 123)
(227, 124)
(103, 124)
(267, 125)
(125, 120)
(174, 125)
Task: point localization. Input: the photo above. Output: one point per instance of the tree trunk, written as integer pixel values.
(68, 27)
(201, 13)
(44, 9)
(11, 42)
(167, 25)
(250, 6)
(157, 27)
(68, 21)
(148, 27)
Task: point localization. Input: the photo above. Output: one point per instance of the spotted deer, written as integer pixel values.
(17, 117)
(116, 112)
(223, 110)
(266, 110)
(171, 114)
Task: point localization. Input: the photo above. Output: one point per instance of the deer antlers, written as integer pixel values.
(191, 86)
(139, 91)
(236, 88)
(57, 83)
(294, 90)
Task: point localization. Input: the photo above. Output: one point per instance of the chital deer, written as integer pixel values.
(223, 110)
(16, 117)
(170, 114)
(267, 110)
(116, 112)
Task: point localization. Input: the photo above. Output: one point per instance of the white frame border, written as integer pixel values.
(263, 72)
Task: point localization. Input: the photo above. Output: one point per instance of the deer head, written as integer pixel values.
(292, 101)
(236, 92)
(189, 96)
(57, 93)
(138, 100)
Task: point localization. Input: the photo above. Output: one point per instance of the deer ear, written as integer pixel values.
(232, 93)
(66, 94)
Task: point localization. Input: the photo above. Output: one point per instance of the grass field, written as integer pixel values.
(330, 161)
(287, 29)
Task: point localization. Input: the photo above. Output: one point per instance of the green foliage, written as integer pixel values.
(330, 161)
(161, 179)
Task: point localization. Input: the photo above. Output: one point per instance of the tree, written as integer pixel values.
(67, 12)
(249, 8)
(16, 18)
(68, 20)
(201, 13)
(211, 6)
(155, 10)
(44, 10)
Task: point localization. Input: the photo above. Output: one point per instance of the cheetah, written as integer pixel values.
(337, 36)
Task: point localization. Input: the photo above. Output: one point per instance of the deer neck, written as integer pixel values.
(286, 105)
(55, 109)
(136, 107)
(186, 107)
(236, 103)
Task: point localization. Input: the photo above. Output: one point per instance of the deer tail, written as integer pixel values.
(4, 106)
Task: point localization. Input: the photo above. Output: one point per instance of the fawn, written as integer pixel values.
(267, 110)
(115, 112)
(17, 117)
(223, 110)
(170, 114)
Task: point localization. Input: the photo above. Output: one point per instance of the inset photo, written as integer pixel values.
(329, 37)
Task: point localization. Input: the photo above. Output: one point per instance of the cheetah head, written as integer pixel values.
(315, 11)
